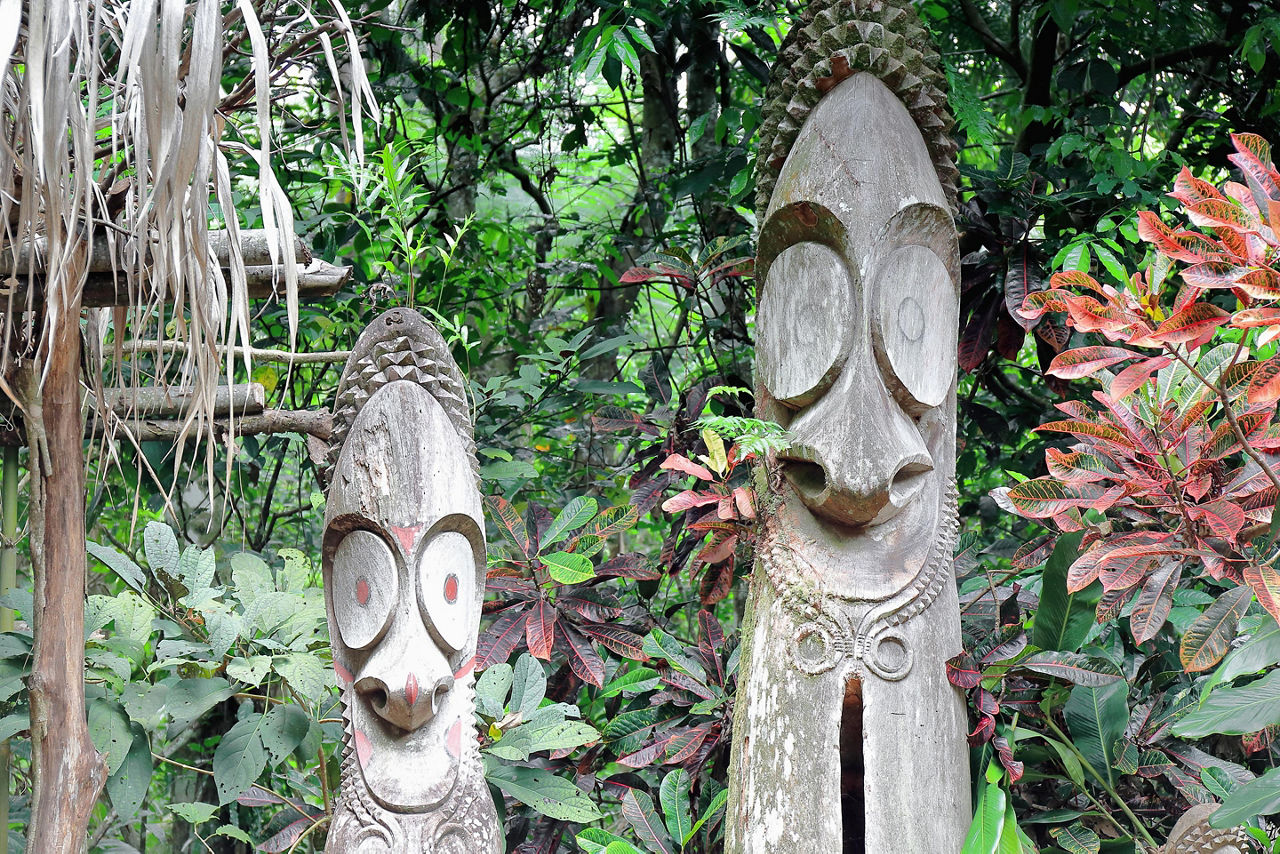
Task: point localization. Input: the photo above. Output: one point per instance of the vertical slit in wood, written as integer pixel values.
(853, 814)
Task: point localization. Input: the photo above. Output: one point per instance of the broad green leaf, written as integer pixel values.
(569, 568)
(492, 688)
(109, 729)
(239, 758)
(1207, 639)
(550, 795)
(11, 725)
(674, 797)
(716, 805)
(191, 698)
(1063, 619)
(235, 833)
(195, 813)
(1235, 711)
(575, 514)
(1075, 667)
(988, 822)
(128, 786)
(1077, 839)
(1096, 717)
(161, 548)
(252, 577)
(1260, 651)
(145, 703)
(1257, 797)
(292, 577)
(528, 685)
(130, 573)
(283, 729)
(659, 644)
(635, 679)
(1070, 762)
(305, 673)
(196, 568)
(251, 670)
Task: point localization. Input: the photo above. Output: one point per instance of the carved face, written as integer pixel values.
(404, 579)
(855, 341)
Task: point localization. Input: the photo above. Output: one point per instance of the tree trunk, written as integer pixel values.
(68, 772)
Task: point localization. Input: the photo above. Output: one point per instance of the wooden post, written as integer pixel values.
(68, 771)
(847, 736)
(404, 579)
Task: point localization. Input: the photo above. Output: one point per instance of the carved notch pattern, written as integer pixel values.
(1193, 835)
(834, 40)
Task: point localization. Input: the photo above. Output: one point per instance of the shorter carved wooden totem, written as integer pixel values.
(847, 735)
(404, 570)
(1194, 835)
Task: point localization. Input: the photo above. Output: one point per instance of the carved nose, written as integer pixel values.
(408, 707)
(871, 495)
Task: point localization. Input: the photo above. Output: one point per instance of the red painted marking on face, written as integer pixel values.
(466, 668)
(454, 742)
(411, 689)
(364, 748)
(344, 675)
(362, 591)
(406, 536)
(451, 589)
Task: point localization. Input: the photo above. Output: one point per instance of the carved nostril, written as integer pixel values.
(908, 480)
(810, 479)
(442, 689)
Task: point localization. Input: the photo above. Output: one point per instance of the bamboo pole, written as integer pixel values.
(8, 581)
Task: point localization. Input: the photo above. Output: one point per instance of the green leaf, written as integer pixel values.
(161, 548)
(635, 679)
(240, 758)
(128, 787)
(528, 685)
(1063, 619)
(1096, 717)
(1260, 651)
(988, 822)
(659, 644)
(575, 514)
(195, 813)
(1235, 711)
(283, 729)
(235, 833)
(716, 805)
(640, 813)
(191, 698)
(293, 576)
(1074, 667)
(1112, 264)
(305, 674)
(550, 795)
(1257, 797)
(1070, 762)
(492, 688)
(251, 670)
(1206, 640)
(196, 567)
(674, 797)
(130, 573)
(109, 729)
(1077, 839)
(569, 568)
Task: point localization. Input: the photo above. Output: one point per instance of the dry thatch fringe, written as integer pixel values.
(112, 126)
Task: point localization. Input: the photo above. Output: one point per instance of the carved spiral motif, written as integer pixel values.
(816, 646)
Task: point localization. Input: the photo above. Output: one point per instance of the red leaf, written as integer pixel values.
(1075, 279)
(1023, 278)
(1044, 497)
(983, 731)
(677, 462)
(631, 565)
(1190, 190)
(1192, 323)
(624, 642)
(497, 644)
(717, 550)
(1085, 361)
(1223, 517)
(717, 581)
(1135, 376)
(1252, 317)
(963, 672)
(1155, 601)
(1266, 586)
(510, 523)
(1042, 302)
(1005, 752)
(1214, 274)
(1264, 387)
(1090, 430)
(541, 629)
(689, 499)
(582, 656)
(684, 744)
(744, 498)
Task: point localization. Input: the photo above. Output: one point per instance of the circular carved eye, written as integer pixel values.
(364, 588)
(915, 325)
(447, 581)
(802, 323)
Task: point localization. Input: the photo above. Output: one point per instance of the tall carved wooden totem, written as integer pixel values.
(404, 569)
(847, 735)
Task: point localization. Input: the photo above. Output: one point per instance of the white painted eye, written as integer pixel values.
(365, 584)
(447, 585)
(915, 325)
(803, 322)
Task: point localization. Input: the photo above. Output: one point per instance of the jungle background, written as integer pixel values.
(566, 188)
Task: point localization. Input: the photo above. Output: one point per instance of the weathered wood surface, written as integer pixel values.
(853, 611)
(176, 401)
(404, 577)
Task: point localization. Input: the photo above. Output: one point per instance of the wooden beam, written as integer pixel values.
(176, 401)
(317, 279)
(255, 248)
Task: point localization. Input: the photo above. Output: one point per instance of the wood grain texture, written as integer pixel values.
(853, 583)
(404, 565)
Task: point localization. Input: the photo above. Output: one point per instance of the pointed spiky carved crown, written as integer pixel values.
(1194, 835)
(400, 345)
(832, 41)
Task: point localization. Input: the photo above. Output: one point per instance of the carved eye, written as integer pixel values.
(364, 588)
(447, 584)
(915, 325)
(802, 323)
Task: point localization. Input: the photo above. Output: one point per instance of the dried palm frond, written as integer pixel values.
(118, 128)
